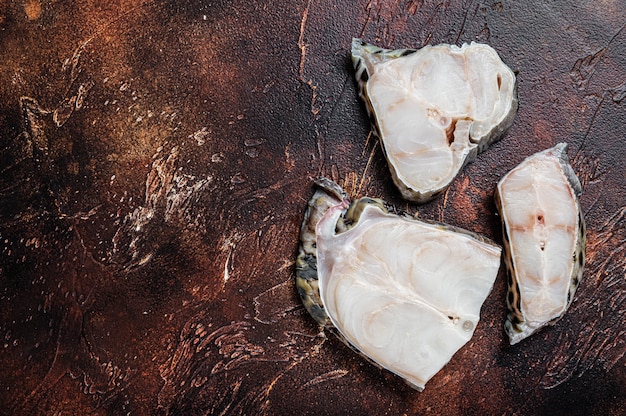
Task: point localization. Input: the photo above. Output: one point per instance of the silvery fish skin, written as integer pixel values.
(404, 293)
(544, 240)
(434, 109)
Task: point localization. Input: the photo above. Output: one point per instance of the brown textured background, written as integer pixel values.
(156, 160)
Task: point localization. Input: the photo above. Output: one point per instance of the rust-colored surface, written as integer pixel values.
(156, 160)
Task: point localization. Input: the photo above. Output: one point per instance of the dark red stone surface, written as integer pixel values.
(156, 160)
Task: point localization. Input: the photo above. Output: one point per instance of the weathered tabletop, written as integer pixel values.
(156, 161)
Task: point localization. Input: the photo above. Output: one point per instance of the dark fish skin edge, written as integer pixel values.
(327, 195)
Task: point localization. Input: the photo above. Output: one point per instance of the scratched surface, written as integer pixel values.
(156, 160)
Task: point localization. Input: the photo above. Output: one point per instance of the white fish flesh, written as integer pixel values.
(405, 293)
(544, 240)
(434, 109)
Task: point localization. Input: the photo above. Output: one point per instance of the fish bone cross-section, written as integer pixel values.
(434, 109)
(544, 240)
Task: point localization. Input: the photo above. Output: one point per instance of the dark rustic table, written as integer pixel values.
(156, 161)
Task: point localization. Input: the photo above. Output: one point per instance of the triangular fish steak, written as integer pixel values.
(434, 109)
(405, 293)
